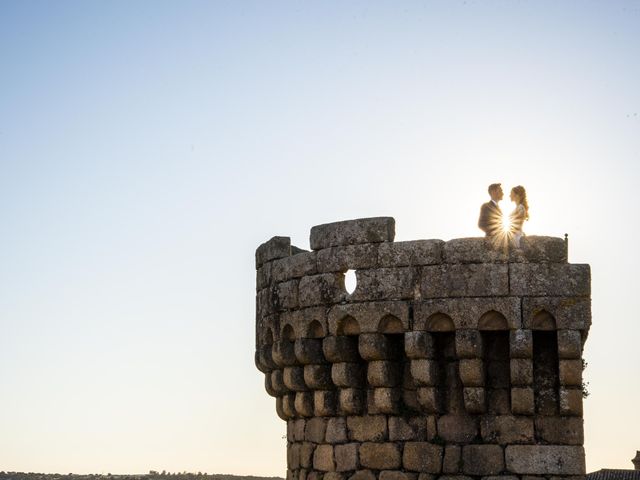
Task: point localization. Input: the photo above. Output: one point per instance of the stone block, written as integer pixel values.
(452, 461)
(422, 457)
(341, 259)
(351, 232)
(351, 401)
(482, 459)
(384, 373)
(295, 266)
(263, 276)
(549, 279)
(380, 456)
(457, 428)
(323, 459)
(407, 429)
(348, 375)
(276, 247)
(341, 349)
(303, 404)
(545, 460)
(418, 345)
(287, 406)
(539, 249)
(266, 301)
(264, 360)
(428, 398)
(283, 353)
(467, 313)
(293, 378)
(571, 401)
(571, 313)
(412, 253)
(376, 346)
(293, 456)
(368, 428)
(465, 280)
(560, 430)
(287, 294)
(521, 344)
(346, 457)
(308, 351)
(363, 475)
(471, 372)
(385, 284)
(325, 288)
(508, 477)
(507, 429)
(570, 373)
(569, 344)
(522, 402)
(302, 474)
(315, 430)
(298, 429)
(324, 403)
(370, 317)
(276, 383)
(306, 454)
(521, 372)
(333, 475)
(475, 401)
(432, 428)
(474, 250)
(318, 377)
(424, 372)
(469, 344)
(396, 475)
(426, 476)
(336, 430)
(384, 400)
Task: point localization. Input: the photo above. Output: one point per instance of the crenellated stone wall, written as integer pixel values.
(450, 359)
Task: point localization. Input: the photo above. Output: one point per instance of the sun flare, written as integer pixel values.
(506, 224)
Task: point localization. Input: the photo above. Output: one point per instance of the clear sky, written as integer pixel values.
(148, 147)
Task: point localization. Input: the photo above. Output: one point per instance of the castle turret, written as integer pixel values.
(449, 358)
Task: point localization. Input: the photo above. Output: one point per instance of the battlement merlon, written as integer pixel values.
(482, 346)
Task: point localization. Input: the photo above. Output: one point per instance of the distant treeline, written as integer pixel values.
(152, 475)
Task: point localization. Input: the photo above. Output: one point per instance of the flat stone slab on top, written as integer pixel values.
(352, 232)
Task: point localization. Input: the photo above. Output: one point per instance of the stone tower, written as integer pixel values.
(449, 359)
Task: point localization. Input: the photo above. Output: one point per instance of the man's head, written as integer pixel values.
(495, 191)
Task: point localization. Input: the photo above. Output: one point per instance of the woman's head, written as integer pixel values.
(519, 196)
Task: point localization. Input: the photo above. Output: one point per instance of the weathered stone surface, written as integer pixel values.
(309, 351)
(522, 401)
(380, 456)
(569, 312)
(298, 429)
(276, 247)
(306, 454)
(283, 353)
(570, 401)
(347, 457)
(397, 475)
(371, 317)
(418, 345)
(469, 344)
(505, 429)
(315, 429)
(341, 259)
(412, 253)
(333, 475)
(287, 294)
(521, 372)
(520, 344)
(452, 461)
(474, 250)
(293, 378)
(323, 459)
(277, 383)
(293, 455)
(407, 428)
(384, 400)
(385, 284)
(384, 373)
(457, 428)
(482, 459)
(428, 399)
(303, 403)
(341, 349)
(560, 430)
(363, 475)
(295, 266)
(539, 249)
(318, 377)
(350, 232)
(351, 401)
(569, 344)
(424, 372)
(545, 459)
(324, 403)
(376, 346)
(368, 428)
(465, 280)
(263, 276)
(422, 457)
(475, 401)
(324, 288)
(471, 372)
(336, 430)
(348, 375)
(548, 279)
(466, 312)
(570, 372)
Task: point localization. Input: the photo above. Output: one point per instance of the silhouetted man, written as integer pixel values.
(490, 221)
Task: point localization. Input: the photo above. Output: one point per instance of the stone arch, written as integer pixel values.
(543, 320)
(288, 333)
(439, 322)
(390, 324)
(348, 326)
(315, 330)
(493, 320)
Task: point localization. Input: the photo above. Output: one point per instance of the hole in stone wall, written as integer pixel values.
(315, 330)
(545, 372)
(288, 333)
(497, 371)
(348, 326)
(350, 281)
(450, 397)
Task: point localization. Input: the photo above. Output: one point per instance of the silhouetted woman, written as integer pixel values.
(520, 214)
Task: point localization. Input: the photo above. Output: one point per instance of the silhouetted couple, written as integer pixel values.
(494, 224)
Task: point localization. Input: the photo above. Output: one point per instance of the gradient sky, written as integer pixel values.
(148, 147)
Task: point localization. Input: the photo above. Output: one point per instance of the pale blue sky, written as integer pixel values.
(148, 147)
